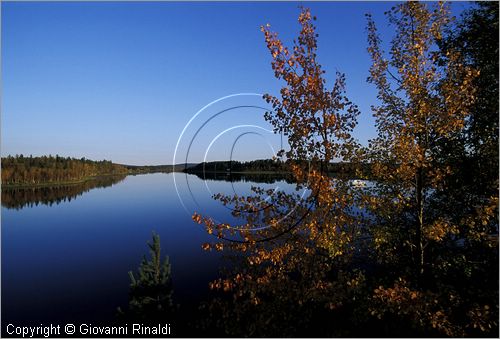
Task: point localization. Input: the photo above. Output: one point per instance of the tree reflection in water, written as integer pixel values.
(261, 178)
(20, 197)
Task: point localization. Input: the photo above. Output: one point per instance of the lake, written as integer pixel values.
(66, 252)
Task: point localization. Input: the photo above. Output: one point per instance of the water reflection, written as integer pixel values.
(68, 263)
(262, 178)
(20, 197)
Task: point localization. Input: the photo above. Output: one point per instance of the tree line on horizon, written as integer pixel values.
(19, 170)
(274, 166)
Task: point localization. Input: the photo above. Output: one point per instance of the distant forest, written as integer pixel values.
(274, 166)
(132, 169)
(266, 165)
(20, 170)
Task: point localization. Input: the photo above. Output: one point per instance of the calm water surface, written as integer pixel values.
(68, 261)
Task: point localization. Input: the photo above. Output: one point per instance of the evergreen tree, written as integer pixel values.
(150, 295)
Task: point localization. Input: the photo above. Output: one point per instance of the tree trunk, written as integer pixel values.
(420, 223)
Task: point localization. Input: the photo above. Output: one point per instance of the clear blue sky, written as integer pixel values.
(119, 81)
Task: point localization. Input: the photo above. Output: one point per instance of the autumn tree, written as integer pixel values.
(420, 104)
(318, 124)
(425, 100)
(295, 246)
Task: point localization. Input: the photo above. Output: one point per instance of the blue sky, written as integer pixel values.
(120, 81)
